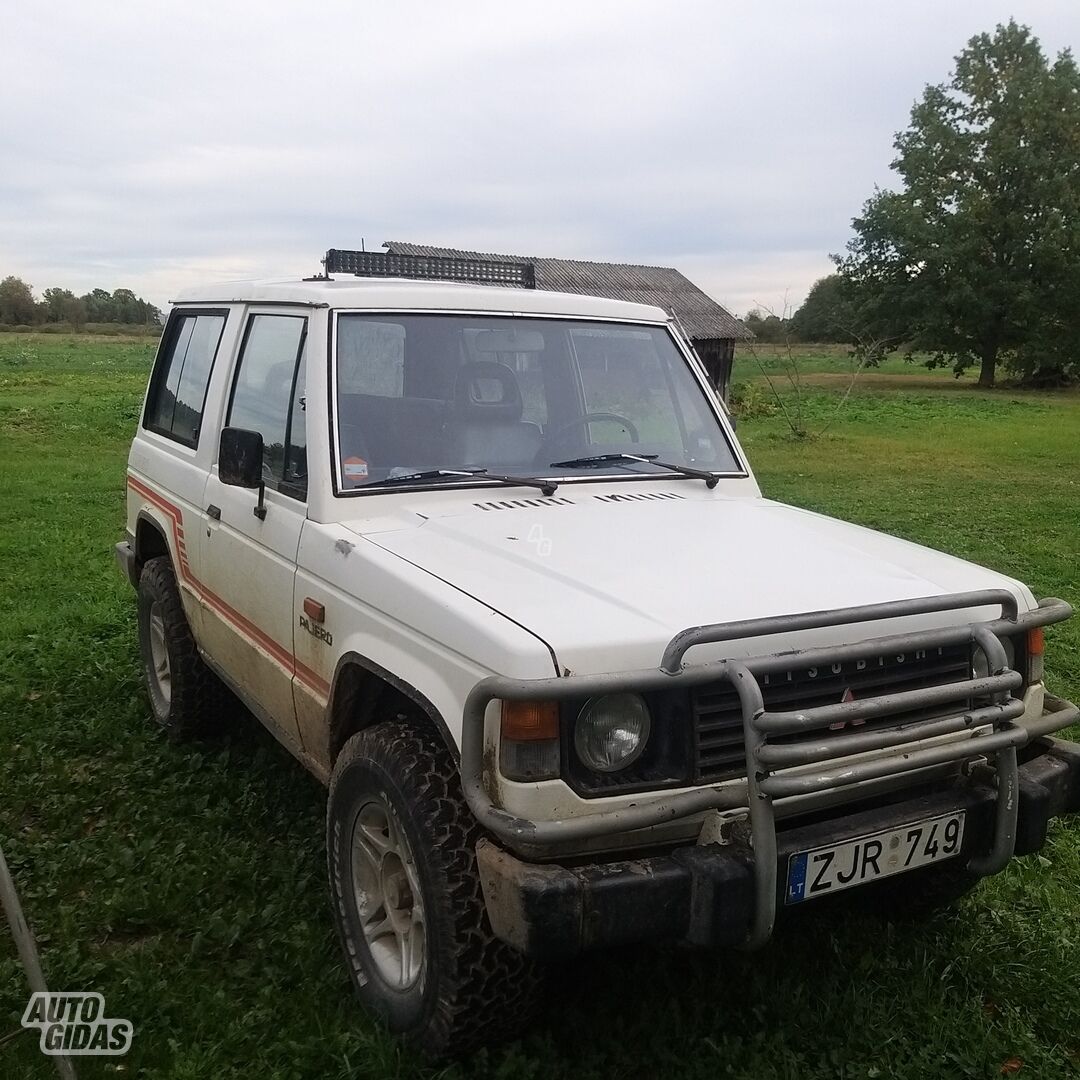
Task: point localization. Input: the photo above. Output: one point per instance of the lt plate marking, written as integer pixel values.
(854, 862)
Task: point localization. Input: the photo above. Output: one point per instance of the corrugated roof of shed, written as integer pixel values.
(662, 286)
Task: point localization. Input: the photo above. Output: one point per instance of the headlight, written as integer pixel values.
(611, 731)
(980, 663)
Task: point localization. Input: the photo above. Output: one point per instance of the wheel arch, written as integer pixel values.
(361, 693)
(150, 539)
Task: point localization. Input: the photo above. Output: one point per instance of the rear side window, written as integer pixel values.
(269, 397)
(174, 405)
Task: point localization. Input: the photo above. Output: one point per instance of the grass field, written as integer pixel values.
(757, 358)
(187, 884)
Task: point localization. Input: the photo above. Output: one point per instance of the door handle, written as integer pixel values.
(214, 512)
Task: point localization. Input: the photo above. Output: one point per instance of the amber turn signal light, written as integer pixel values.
(529, 748)
(1036, 647)
(529, 721)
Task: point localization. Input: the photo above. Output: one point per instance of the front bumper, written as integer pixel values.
(974, 719)
(705, 895)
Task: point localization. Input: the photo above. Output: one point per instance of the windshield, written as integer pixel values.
(417, 393)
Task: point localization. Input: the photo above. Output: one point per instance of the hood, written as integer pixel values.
(606, 576)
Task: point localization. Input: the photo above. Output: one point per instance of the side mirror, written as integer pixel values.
(240, 462)
(240, 457)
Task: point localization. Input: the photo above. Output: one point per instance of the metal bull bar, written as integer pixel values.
(766, 761)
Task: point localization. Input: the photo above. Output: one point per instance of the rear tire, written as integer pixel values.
(410, 913)
(186, 697)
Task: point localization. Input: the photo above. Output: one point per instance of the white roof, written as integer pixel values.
(395, 293)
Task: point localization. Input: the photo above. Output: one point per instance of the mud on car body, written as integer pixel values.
(492, 564)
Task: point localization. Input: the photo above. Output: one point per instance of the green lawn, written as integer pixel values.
(187, 884)
(758, 358)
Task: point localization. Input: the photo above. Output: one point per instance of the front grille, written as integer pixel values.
(719, 750)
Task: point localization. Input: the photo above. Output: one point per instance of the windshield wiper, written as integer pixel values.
(547, 487)
(598, 460)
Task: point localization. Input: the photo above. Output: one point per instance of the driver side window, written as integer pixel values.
(268, 396)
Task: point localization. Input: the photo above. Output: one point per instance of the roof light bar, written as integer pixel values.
(519, 275)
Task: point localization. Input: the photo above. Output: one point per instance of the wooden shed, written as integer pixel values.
(712, 328)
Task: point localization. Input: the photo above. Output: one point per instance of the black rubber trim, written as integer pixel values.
(125, 556)
(354, 658)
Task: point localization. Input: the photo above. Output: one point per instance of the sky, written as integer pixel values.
(153, 146)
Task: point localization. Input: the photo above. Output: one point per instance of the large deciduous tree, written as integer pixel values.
(17, 303)
(826, 313)
(977, 258)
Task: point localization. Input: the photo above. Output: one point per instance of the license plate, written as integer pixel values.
(826, 870)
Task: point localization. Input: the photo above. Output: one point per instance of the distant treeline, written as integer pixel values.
(19, 307)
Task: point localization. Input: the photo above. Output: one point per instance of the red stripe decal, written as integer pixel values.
(282, 656)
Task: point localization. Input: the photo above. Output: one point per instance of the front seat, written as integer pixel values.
(486, 427)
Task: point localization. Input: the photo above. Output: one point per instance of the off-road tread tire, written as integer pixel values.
(478, 991)
(199, 698)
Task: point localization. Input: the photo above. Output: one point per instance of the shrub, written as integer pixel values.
(748, 401)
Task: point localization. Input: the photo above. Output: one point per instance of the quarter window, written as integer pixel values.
(181, 376)
(269, 396)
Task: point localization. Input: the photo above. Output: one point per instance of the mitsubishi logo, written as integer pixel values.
(845, 697)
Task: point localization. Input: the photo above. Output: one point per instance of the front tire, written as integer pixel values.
(401, 852)
(186, 697)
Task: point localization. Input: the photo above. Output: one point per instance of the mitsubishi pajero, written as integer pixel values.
(491, 563)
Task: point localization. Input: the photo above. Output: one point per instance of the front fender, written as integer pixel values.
(417, 632)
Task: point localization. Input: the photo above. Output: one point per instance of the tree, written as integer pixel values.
(58, 304)
(826, 313)
(126, 306)
(75, 312)
(17, 303)
(977, 259)
(121, 306)
(63, 306)
(765, 325)
(99, 306)
(17, 306)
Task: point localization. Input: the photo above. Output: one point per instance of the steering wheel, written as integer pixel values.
(552, 437)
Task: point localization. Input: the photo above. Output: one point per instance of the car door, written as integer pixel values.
(248, 559)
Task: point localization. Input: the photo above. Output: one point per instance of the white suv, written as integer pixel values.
(491, 563)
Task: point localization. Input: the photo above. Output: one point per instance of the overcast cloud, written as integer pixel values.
(151, 146)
